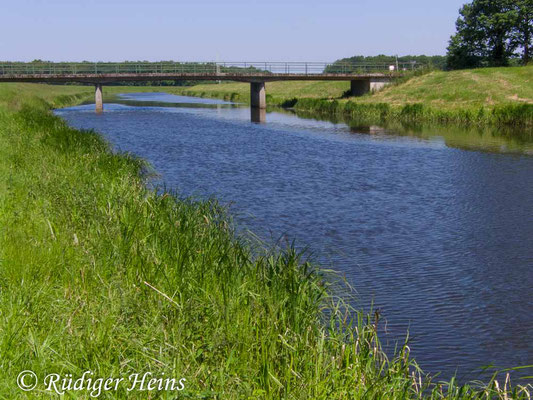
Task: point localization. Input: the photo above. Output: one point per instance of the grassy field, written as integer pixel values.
(502, 96)
(277, 91)
(463, 89)
(454, 89)
(14, 95)
(99, 273)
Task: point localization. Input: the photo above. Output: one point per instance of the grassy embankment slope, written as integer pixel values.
(98, 273)
(491, 95)
(14, 95)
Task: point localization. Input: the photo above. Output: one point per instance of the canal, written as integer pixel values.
(433, 227)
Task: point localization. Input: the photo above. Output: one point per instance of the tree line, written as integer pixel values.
(489, 33)
(435, 62)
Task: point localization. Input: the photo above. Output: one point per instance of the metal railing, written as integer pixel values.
(207, 68)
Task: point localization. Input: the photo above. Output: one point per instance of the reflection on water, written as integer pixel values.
(493, 139)
(167, 99)
(258, 115)
(436, 237)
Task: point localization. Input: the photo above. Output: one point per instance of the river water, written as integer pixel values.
(434, 227)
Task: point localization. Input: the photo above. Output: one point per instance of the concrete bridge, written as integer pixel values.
(363, 77)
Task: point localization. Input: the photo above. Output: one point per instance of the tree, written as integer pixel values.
(523, 27)
(466, 48)
(489, 32)
(462, 54)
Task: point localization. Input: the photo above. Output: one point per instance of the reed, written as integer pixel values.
(517, 115)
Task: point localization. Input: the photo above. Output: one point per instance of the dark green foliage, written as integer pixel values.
(491, 33)
(523, 28)
(289, 103)
(412, 111)
(508, 114)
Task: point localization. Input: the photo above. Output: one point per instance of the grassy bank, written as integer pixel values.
(99, 273)
(14, 95)
(495, 96)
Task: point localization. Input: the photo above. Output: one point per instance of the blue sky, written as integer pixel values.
(231, 30)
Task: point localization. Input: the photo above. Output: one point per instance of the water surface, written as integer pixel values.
(439, 238)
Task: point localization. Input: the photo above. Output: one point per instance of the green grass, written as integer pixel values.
(277, 91)
(463, 89)
(99, 273)
(14, 95)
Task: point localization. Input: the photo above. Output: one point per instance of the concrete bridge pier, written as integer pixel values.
(98, 101)
(362, 86)
(258, 102)
(257, 95)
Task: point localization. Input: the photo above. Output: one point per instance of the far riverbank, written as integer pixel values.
(489, 96)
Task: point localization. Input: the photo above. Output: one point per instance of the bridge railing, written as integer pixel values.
(233, 68)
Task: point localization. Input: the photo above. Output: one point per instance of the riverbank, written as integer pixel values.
(489, 96)
(99, 273)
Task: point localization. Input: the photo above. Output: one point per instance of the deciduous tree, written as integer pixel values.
(489, 32)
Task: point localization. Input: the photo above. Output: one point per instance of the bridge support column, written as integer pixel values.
(257, 95)
(363, 86)
(360, 87)
(98, 101)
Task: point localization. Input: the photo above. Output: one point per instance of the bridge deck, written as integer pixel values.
(239, 77)
(363, 77)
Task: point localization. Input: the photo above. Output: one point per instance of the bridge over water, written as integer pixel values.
(363, 77)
